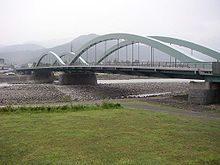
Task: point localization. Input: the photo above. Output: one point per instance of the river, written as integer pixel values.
(171, 80)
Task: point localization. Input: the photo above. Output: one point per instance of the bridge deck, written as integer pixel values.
(186, 73)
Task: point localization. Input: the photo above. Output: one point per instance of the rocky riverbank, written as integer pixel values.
(30, 93)
(43, 93)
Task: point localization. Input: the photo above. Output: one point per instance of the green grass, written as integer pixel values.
(209, 108)
(167, 107)
(63, 108)
(106, 134)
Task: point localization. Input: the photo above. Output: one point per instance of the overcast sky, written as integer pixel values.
(41, 20)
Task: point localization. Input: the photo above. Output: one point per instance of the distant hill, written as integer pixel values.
(29, 53)
(19, 54)
(76, 44)
(20, 47)
(25, 53)
(21, 57)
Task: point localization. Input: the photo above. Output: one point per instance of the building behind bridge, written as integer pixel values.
(5, 68)
(2, 61)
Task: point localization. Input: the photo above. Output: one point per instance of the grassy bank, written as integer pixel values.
(62, 108)
(105, 134)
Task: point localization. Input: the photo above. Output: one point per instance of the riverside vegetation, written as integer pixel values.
(105, 134)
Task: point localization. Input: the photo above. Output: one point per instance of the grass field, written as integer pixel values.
(105, 134)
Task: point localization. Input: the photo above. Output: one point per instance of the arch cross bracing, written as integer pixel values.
(61, 56)
(74, 55)
(58, 59)
(80, 58)
(137, 39)
(207, 51)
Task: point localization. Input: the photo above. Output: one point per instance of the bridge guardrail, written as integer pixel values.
(193, 65)
(198, 65)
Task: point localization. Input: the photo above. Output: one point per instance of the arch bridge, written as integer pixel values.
(133, 54)
(114, 51)
(123, 40)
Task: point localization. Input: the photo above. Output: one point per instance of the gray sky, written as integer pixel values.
(41, 20)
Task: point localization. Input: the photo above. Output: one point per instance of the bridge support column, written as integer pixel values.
(204, 93)
(216, 68)
(42, 77)
(78, 79)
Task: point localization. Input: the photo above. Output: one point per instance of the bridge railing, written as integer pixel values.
(198, 65)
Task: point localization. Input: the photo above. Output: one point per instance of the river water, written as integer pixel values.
(4, 84)
(172, 80)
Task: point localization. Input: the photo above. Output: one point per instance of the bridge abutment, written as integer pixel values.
(204, 93)
(42, 77)
(77, 79)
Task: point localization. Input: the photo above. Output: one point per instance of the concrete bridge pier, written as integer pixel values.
(78, 78)
(204, 93)
(42, 77)
(27, 72)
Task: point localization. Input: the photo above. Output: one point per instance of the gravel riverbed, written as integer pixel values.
(43, 93)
